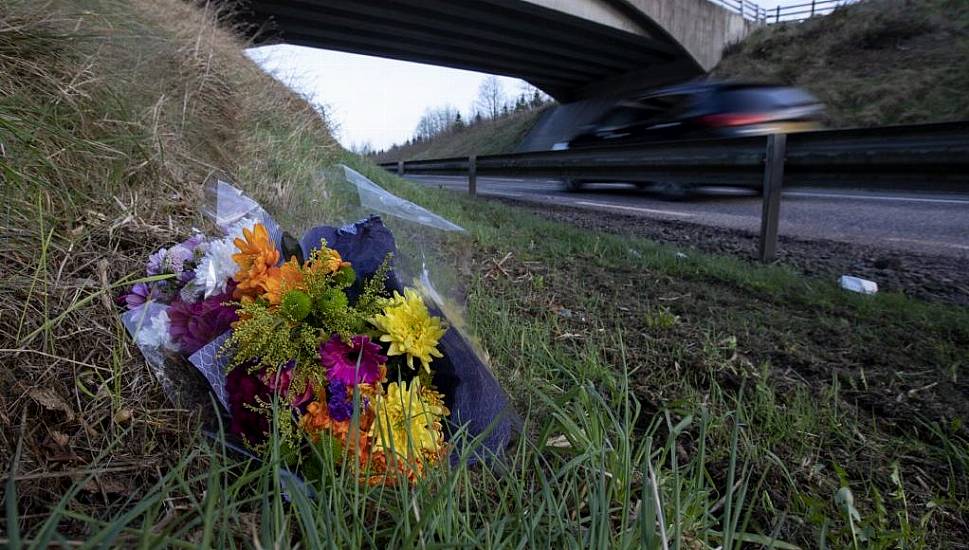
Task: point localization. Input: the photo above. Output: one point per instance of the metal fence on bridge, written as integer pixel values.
(795, 12)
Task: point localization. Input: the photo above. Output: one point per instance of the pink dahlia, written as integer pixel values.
(194, 325)
(354, 363)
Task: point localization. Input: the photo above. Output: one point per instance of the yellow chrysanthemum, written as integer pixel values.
(410, 328)
(407, 422)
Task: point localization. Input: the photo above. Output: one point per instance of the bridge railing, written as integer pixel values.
(796, 12)
(923, 157)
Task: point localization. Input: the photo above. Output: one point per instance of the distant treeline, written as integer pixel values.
(491, 106)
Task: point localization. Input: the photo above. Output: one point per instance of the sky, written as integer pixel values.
(380, 101)
(369, 99)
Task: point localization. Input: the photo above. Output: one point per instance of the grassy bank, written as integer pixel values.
(488, 137)
(872, 63)
(695, 401)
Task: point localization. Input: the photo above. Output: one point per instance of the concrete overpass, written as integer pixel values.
(571, 49)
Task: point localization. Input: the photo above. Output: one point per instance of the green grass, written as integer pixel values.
(694, 402)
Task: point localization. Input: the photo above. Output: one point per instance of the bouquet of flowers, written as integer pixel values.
(323, 330)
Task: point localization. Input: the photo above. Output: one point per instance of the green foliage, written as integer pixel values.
(271, 339)
(661, 319)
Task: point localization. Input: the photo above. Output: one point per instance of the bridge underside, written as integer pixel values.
(566, 56)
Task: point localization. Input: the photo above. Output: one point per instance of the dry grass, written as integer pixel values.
(112, 116)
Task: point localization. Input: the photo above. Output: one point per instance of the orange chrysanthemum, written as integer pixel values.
(282, 279)
(257, 259)
(316, 421)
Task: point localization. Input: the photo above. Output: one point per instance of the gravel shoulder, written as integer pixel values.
(924, 276)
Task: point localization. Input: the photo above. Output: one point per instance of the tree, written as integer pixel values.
(363, 148)
(435, 121)
(491, 98)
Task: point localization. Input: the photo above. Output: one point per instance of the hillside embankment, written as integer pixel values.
(485, 137)
(873, 63)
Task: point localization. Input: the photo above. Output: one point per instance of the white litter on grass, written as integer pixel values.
(681, 256)
(857, 284)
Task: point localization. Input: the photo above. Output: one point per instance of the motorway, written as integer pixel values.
(922, 223)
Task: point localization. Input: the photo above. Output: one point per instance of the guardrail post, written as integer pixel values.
(773, 180)
(777, 16)
(812, 7)
(400, 168)
(473, 175)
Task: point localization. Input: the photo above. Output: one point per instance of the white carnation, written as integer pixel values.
(217, 266)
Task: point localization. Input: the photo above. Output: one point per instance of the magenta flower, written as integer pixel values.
(248, 390)
(279, 383)
(194, 325)
(358, 362)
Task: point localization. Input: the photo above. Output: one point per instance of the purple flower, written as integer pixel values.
(194, 325)
(177, 256)
(156, 262)
(140, 294)
(351, 364)
(174, 259)
(340, 401)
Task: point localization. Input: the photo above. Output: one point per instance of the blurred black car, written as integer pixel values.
(703, 110)
(700, 110)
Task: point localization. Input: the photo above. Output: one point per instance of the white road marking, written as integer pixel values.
(875, 198)
(932, 243)
(636, 209)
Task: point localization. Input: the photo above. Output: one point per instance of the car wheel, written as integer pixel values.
(572, 185)
(672, 190)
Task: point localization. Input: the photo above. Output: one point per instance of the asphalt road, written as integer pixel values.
(921, 223)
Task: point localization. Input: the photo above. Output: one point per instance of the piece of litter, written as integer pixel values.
(558, 441)
(681, 255)
(857, 284)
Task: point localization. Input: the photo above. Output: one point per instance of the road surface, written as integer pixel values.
(923, 223)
